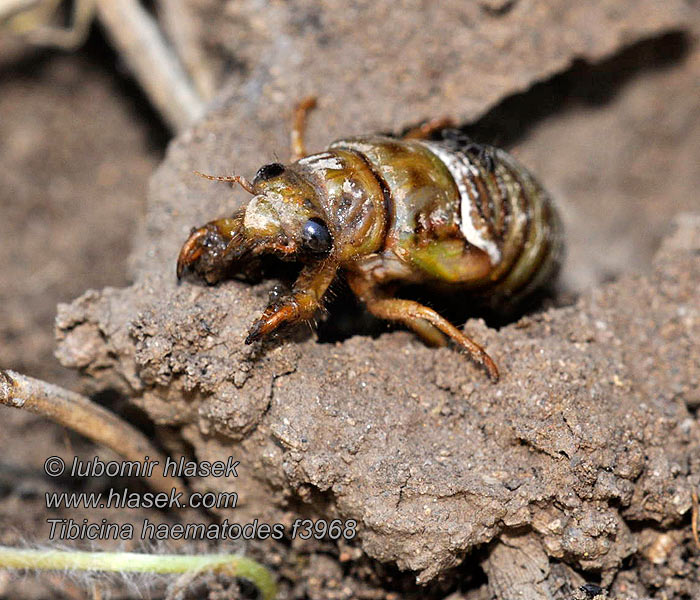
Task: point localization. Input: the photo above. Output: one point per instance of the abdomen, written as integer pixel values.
(506, 213)
(465, 215)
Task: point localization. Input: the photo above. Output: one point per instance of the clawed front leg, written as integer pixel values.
(301, 305)
(297, 307)
(211, 249)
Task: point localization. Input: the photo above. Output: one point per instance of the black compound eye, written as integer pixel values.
(269, 171)
(316, 237)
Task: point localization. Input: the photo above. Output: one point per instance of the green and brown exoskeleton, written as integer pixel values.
(386, 211)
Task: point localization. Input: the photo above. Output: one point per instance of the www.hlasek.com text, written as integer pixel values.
(126, 499)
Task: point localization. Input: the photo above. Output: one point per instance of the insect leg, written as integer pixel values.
(415, 315)
(299, 127)
(304, 300)
(425, 130)
(211, 249)
(428, 333)
(410, 311)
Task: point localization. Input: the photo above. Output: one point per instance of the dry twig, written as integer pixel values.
(137, 37)
(140, 42)
(180, 27)
(84, 416)
(32, 18)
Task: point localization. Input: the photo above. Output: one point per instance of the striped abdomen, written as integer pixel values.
(505, 212)
(443, 190)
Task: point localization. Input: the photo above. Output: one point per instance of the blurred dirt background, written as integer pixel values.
(577, 467)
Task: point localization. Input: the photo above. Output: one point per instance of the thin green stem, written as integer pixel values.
(58, 560)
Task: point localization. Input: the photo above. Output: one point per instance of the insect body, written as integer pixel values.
(388, 211)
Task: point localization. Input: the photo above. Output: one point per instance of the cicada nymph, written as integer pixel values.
(385, 211)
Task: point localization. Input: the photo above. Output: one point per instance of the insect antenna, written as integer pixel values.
(239, 179)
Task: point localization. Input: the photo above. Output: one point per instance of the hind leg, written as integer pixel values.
(425, 130)
(425, 321)
(428, 333)
(299, 127)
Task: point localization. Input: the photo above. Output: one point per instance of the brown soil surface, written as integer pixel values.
(75, 155)
(578, 465)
